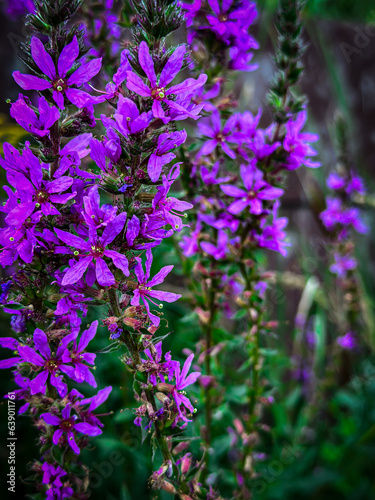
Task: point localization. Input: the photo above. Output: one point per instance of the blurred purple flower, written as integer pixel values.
(257, 191)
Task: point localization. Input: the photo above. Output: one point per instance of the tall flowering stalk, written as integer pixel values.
(237, 173)
(81, 212)
(342, 219)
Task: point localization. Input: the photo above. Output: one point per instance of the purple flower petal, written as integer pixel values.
(41, 343)
(233, 191)
(188, 86)
(72, 443)
(85, 428)
(29, 82)
(99, 399)
(135, 84)
(85, 72)
(164, 296)
(158, 112)
(237, 206)
(160, 276)
(58, 97)
(8, 363)
(154, 166)
(73, 240)
(50, 419)
(76, 272)
(119, 260)
(59, 185)
(113, 229)
(80, 98)
(38, 384)
(67, 57)
(146, 62)
(87, 336)
(30, 356)
(19, 214)
(43, 60)
(56, 436)
(173, 66)
(103, 274)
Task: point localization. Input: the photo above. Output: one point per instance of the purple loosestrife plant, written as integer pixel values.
(342, 219)
(236, 178)
(81, 212)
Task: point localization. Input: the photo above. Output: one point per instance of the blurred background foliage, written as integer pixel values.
(319, 436)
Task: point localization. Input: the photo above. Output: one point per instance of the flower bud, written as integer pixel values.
(182, 446)
(130, 312)
(168, 487)
(162, 387)
(185, 463)
(163, 398)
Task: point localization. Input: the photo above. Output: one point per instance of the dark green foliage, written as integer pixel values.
(156, 19)
(52, 13)
(288, 61)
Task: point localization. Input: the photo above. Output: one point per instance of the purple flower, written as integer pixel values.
(86, 414)
(52, 474)
(343, 263)
(335, 181)
(191, 11)
(202, 96)
(113, 89)
(228, 21)
(34, 192)
(190, 242)
(19, 8)
(67, 424)
(157, 89)
(209, 177)
(336, 216)
(272, 235)
(183, 380)
(95, 215)
(156, 367)
(347, 341)
(25, 116)
(165, 207)
(356, 184)
(211, 127)
(78, 357)
(257, 191)
(41, 358)
(162, 155)
(57, 79)
(127, 117)
(19, 242)
(258, 144)
(144, 291)
(219, 251)
(296, 144)
(95, 249)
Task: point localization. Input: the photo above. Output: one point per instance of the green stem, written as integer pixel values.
(207, 359)
(134, 353)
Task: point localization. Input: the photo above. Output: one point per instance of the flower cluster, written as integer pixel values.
(224, 26)
(340, 219)
(84, 203)
(235, 177)
(226, 201)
